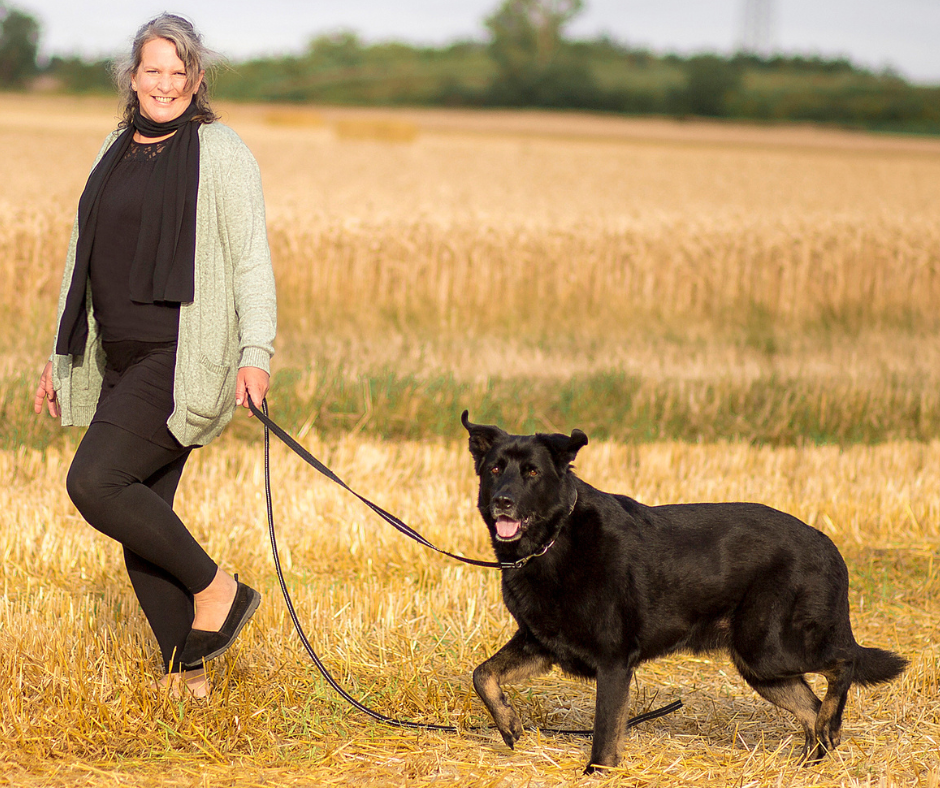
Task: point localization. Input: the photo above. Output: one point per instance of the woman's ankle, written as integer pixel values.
(194, 683)
(211, 605)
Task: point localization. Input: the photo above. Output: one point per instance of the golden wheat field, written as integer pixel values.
(475, 244)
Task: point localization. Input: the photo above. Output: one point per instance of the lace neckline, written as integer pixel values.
(144, 151)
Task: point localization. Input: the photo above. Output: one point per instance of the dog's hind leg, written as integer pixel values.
(610, 715)
(828, 726)
(794, 695)
(519, 659)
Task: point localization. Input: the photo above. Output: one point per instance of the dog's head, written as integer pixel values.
(527, 487)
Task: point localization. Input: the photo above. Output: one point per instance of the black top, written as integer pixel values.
(139, 339)
(120, 213)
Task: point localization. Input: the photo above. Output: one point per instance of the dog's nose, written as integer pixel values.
(502, 502)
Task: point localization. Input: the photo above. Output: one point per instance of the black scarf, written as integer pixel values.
(163, 268)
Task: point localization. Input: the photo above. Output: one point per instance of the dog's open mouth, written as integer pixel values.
(508, 529)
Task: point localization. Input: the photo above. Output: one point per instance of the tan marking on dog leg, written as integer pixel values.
(828, 726)
(795, 696)
(510, 664)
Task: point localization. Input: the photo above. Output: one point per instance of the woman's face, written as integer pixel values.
(160, 82)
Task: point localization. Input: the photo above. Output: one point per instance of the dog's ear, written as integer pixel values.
(565, 448)
(482, 438)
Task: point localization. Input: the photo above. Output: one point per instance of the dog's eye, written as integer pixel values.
(532, 473)
(496, 470)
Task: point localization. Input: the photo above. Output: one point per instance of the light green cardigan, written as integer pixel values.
(232, 320)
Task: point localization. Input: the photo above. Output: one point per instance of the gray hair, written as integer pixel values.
(190, 49)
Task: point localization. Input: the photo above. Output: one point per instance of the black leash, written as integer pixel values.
(271, 426)
(391, 519)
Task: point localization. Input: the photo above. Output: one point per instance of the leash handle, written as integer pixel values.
(271, 426)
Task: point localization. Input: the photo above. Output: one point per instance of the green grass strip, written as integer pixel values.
(768, 410)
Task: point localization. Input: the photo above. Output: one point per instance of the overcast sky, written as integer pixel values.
(902, 34)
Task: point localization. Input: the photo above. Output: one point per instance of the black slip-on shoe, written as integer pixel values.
(201, 645)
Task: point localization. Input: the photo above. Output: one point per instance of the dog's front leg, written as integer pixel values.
(610, 715)
(520, 658)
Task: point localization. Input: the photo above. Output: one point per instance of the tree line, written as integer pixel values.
(528, 61)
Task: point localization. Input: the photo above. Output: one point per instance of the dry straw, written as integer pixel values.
(403, 629)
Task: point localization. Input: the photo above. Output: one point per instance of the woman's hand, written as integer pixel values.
(251, 382)
(46, 391)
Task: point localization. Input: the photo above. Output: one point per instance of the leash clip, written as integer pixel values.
(523, 561)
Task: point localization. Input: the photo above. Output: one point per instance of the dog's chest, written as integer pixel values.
(563, 625)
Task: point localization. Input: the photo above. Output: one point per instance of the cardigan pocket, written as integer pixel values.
(214, 389)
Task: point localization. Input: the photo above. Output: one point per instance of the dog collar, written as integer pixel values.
(523, 561)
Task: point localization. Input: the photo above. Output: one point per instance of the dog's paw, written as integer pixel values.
(813, 753)
(511, 731)
(602, 760)
(595, 768)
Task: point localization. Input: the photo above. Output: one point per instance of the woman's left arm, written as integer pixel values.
(253, 277)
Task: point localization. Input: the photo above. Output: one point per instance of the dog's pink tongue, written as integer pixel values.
(507, 528)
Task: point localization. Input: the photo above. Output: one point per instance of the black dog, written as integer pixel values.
(612, 583)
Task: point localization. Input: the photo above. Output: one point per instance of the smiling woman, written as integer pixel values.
(166, 323)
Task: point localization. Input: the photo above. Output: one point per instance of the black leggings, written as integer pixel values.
(124, 487)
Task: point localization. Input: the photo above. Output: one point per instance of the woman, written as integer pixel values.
(166, 322)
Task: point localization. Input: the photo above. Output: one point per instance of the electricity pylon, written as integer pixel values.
(757, 29)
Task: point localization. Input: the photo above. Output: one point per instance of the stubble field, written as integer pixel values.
(763, 300)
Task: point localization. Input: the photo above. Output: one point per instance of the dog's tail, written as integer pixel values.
(875, 665)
